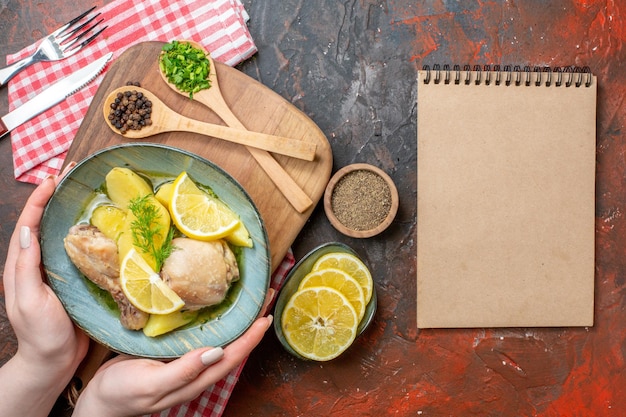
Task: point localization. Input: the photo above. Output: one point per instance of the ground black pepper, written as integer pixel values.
(361, 200)
(130, 110)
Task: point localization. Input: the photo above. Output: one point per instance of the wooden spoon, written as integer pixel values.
(165, 119)
(213, 99)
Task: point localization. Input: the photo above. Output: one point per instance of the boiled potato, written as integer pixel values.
(126, 238)
(124, 185)
(110, 220)
(125, 242)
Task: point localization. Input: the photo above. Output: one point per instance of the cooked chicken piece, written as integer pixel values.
(200, 272)
(95, 255)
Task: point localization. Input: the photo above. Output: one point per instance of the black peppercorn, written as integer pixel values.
(130, 110)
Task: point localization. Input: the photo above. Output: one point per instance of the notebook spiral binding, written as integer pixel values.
(507, 75)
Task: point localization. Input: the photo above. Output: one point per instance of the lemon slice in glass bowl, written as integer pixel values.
(292, 284)
(319, 323)
(350, 264)
(341, 282)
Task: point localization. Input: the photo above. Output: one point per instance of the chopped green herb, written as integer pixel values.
(185, 66)
(145, 228)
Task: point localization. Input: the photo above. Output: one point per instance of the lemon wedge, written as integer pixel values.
(164, 194)
(144, 288)
(198, 214)
(240, 236)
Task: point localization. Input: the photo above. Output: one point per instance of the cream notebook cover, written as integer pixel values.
(505, 198)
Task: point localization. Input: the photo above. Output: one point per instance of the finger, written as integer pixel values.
(30, 218)
(240, 349)
(28, 259)
(236, 352)
(67, 169)
(28, 279)
(269, 297)
(177, 374)
(33, 210)
(27, 263)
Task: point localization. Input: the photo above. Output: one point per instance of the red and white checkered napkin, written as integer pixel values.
(213, 401)
(40, 145)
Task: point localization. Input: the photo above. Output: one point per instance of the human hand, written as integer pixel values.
(50, 347)
(125, 386)
(45, 333)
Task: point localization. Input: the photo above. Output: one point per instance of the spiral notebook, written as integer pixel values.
(505, 197)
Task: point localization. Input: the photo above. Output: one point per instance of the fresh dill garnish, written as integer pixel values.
(146, 230)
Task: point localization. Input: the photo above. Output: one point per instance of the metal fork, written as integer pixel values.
(62, 43)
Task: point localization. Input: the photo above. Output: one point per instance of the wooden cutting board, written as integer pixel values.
(259, 109)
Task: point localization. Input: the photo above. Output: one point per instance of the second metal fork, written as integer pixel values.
(62, 43)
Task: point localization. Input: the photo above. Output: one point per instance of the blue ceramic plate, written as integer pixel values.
(297, 273)
(88, 307)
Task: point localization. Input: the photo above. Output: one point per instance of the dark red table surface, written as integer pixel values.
(351, 66)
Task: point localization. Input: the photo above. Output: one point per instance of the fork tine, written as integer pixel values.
(71, 46)
(71, 22)
(66, 35)
(59, 31)
(71, 49)
(66, 43)
(84, 33)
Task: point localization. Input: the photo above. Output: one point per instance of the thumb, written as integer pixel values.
(184, 370)
(27, 265)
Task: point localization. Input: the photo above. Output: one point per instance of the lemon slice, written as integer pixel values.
(198, 214)
(319, 323)
(352, 266)
(144, 288)
(340, 281)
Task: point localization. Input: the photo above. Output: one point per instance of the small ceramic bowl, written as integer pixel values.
(292, 281)
(361, 200)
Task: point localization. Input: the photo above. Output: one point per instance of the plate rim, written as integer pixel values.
(190, 337)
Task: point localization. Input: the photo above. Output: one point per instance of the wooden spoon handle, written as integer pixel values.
(283, 181)
(278, 144)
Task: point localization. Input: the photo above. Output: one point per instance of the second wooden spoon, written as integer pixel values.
(165, 119)
(213, 99)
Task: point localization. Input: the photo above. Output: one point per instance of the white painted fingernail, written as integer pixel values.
(25, 237)
(211, 356)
